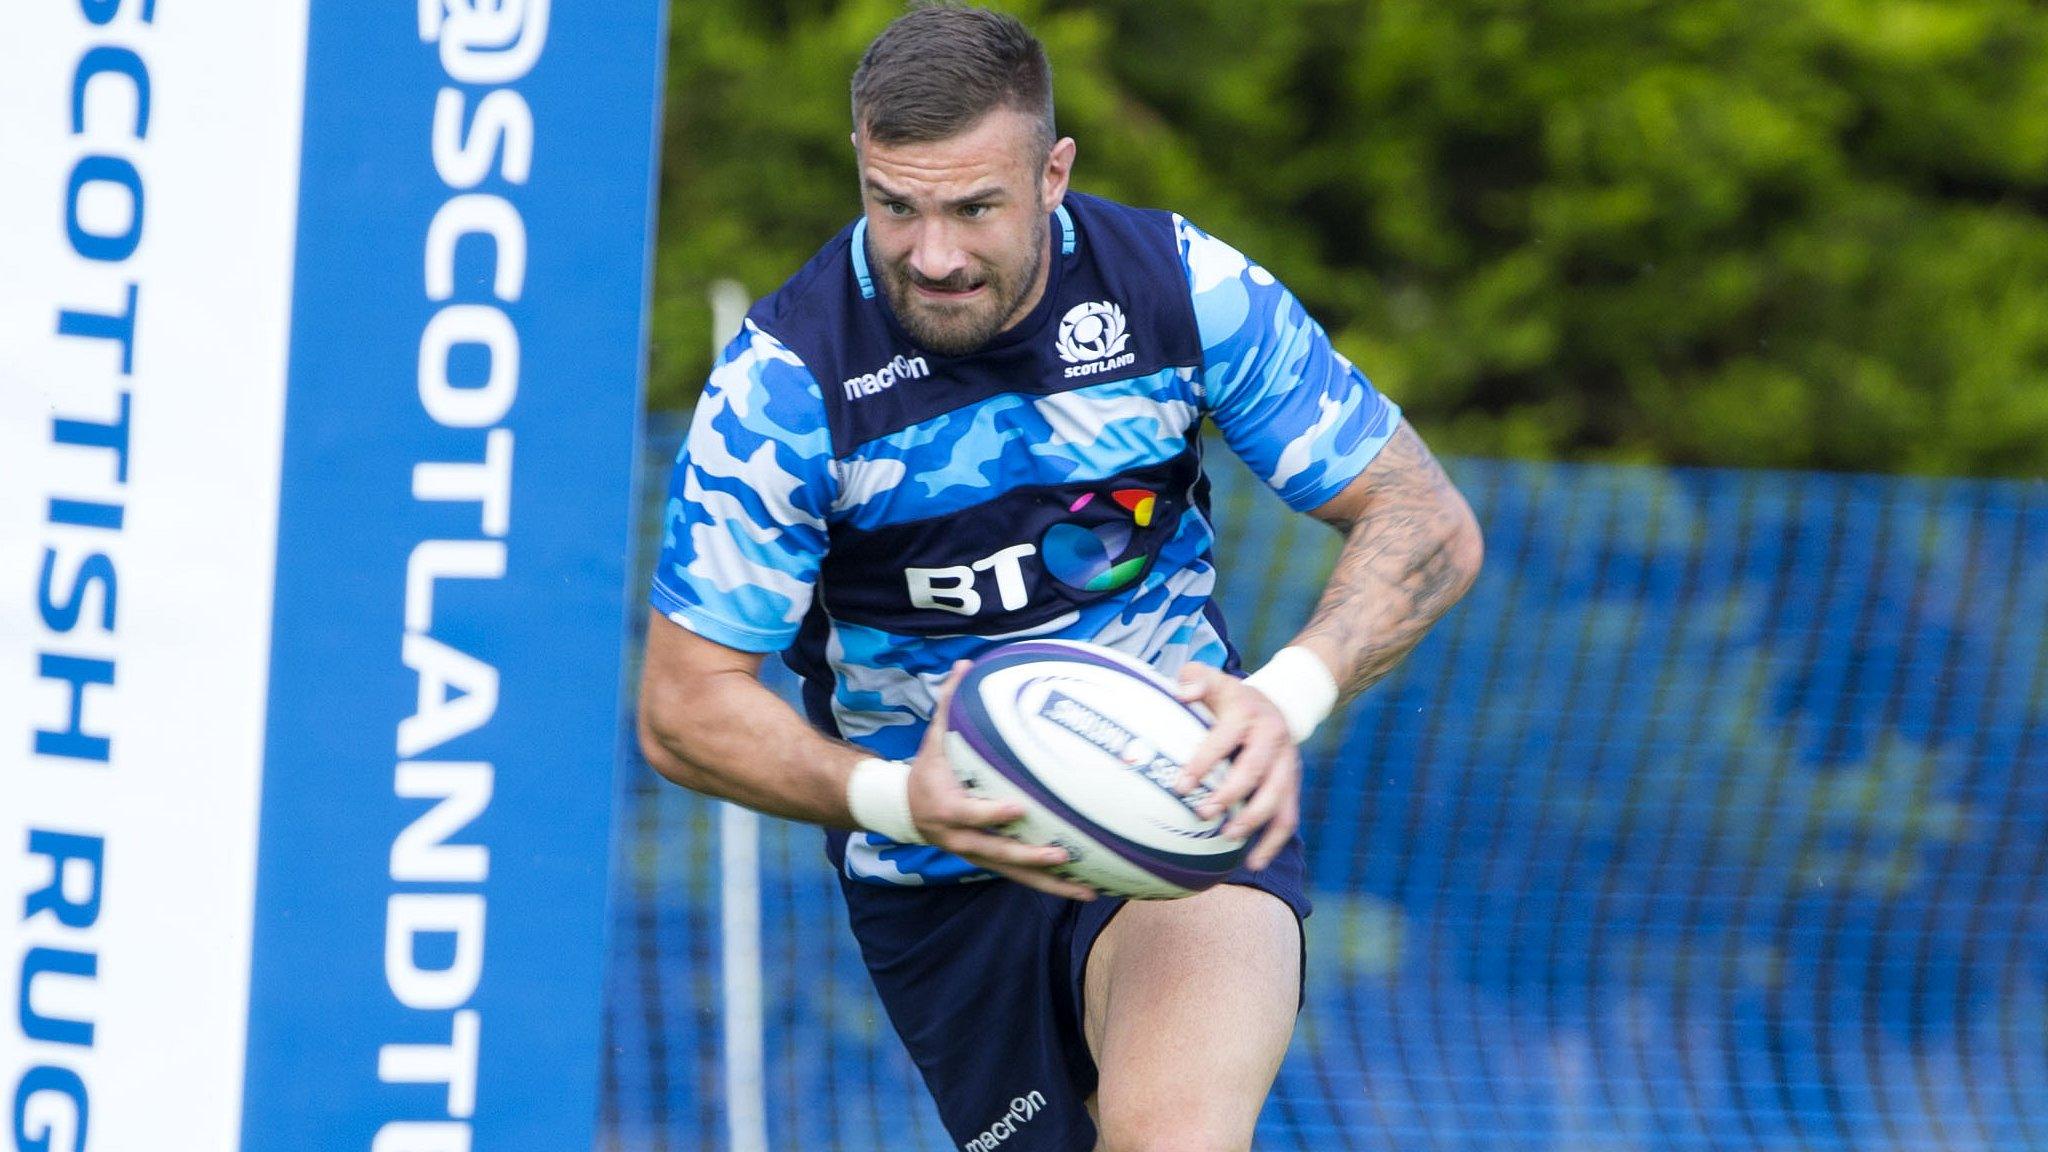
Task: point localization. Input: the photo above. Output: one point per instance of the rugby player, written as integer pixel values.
(975, 416)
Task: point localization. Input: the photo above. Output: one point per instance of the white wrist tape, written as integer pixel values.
(1299, 684)
(878, 793)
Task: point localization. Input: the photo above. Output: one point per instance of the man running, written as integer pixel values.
(974, 416)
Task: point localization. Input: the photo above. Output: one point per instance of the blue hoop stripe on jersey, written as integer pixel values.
(1067, 240)
(859, 249)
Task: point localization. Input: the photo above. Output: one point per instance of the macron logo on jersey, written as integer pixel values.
(1092, 339)
(901, 368)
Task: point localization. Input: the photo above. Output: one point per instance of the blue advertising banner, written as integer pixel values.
(459, 426)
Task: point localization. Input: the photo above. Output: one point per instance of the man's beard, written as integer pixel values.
(957, 329)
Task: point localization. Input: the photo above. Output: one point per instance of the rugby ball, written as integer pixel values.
(1090, 741)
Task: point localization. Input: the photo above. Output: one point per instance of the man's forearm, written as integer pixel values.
(734, 739)
(1411, 549)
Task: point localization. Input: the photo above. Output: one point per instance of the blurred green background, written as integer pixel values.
(1789, 233)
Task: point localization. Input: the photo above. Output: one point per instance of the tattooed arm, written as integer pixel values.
(1411, 549)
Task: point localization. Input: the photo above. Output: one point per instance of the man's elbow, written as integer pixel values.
(660, 746)
(1465, 546)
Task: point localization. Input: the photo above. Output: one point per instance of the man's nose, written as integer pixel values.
(936, 254)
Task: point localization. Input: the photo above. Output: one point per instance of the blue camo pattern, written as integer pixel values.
(745, 521)
(1288, 403)
(756, 486)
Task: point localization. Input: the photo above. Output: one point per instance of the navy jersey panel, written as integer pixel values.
(876, 511)
(1028, 555)
(984, 983)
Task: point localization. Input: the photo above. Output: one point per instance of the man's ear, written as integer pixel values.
(1059, 165)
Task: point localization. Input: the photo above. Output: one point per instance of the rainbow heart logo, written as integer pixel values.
(1092, 559)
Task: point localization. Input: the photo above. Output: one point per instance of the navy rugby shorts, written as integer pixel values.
(983, 982)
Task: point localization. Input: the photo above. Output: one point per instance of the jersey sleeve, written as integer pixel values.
(1289, 404)
(744, 528)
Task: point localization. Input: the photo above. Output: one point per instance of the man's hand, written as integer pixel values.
(951, 818)
(1265, 769)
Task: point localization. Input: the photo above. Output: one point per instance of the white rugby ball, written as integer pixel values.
(1090, 741)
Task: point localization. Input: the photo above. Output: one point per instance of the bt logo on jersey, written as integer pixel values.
(951, 588)
(1100, 558)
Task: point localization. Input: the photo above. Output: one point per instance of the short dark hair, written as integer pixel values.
(937, 70)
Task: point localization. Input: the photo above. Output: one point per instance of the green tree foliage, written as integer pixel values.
(1801, 233)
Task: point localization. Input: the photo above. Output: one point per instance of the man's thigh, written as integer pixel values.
(1188, 1009)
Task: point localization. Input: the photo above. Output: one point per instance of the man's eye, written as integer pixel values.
(896, 208)
(974, 211)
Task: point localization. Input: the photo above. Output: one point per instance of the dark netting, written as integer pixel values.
(1716, 817)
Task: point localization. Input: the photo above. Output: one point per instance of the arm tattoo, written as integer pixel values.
(1409, 553)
